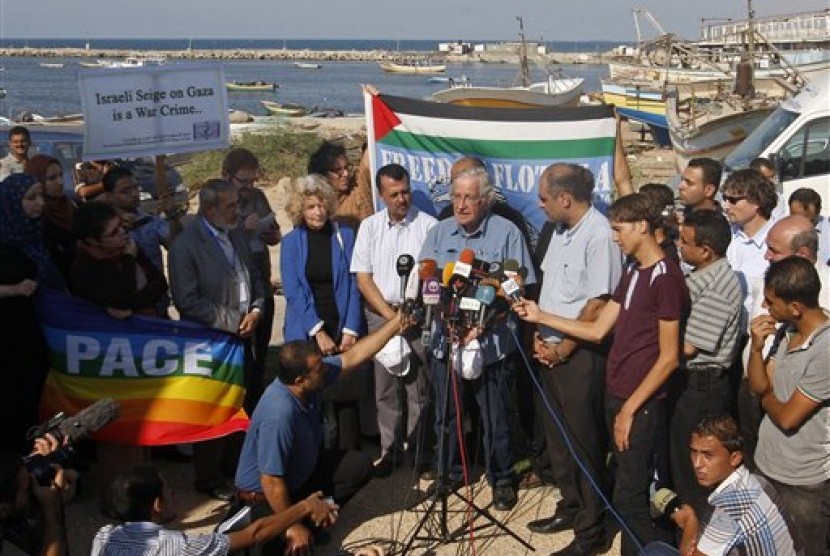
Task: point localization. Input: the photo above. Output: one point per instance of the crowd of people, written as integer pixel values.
(689, 341)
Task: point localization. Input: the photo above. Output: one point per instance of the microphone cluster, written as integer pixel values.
(466, 293)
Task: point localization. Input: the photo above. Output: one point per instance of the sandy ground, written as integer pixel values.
(379, 512)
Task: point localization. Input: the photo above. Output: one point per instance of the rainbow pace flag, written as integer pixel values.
(515, 144)
(175, 381)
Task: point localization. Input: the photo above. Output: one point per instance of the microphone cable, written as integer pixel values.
(563, 429)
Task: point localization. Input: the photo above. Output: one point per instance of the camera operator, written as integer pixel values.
(747, 517)
(31, 514)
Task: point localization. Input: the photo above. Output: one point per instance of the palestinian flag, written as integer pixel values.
(174, 381)
(515, 144)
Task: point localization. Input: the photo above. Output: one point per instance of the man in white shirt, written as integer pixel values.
(19, 143)
(397, 230)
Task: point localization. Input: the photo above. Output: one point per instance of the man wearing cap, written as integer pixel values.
(493, 239)
(397, 230)
(581, 266)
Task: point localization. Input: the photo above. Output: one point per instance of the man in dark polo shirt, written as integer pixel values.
(282, 459)
(645, 313)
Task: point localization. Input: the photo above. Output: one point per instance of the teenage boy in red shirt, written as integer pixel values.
(645, 313)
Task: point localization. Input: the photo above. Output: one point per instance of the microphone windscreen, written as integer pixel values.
(431, 292)
(485, 294)
(90, 419)
(449, 270)
(467, 256)
(511, 267)
(427, 268)
(411, 290)
(665, 501)
(404, 265)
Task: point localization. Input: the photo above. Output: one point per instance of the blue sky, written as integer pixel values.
(552, 20)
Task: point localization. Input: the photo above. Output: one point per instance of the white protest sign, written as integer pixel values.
(151, 110)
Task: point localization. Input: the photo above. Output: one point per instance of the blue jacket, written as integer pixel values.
(300, 315)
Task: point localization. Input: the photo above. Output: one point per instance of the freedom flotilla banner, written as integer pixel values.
(175, 381)
(515, 144)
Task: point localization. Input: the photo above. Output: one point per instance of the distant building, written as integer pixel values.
(456, 47)
(789, 31)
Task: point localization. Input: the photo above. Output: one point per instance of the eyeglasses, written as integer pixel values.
(733, 199)
(244, 182)
(465, 199)
(339, 171)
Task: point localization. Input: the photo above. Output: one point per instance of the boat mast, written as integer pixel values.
(524, 69)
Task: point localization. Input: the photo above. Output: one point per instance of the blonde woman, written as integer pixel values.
(323, 302)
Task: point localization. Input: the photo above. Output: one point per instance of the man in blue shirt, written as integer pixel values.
(492, 239)
(282, 458)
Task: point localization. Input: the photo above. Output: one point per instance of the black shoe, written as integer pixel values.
(504, 497)
(218, 490)
(554, 524)
(583, 548)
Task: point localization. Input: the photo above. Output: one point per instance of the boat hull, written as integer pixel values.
(286, 110)
(392, 67)
(715, 138)
(250, 87)
(513, 97)
(640, 104)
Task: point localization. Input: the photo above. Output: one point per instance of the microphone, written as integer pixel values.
(485, 295)
(511, 268)
(404, 266)
(426, 269)
(511, 289)
(665, 502)
(410, 296)
(446, 274)
(431, 297)
(465, 263)
(495, 270)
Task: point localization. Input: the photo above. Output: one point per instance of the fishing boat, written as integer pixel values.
(251, 86)
(51, 65)
(284, 109)
(640, 102)
(447, 79)
(95, 64)
(554, 91)
(418, 66)
(307, 65)
(132, 62)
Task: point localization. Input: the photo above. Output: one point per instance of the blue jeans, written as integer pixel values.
(492, 391)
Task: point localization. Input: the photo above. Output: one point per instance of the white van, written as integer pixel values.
(796, 138)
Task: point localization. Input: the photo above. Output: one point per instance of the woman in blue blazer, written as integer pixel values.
(323, 301)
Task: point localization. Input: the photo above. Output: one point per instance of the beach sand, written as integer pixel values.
(378, 513)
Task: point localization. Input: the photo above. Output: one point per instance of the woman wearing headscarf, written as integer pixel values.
(25, 267)
(59, 209)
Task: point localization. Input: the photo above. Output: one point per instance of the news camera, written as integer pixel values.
(67, 431)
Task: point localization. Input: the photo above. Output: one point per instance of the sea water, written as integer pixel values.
(54, 91)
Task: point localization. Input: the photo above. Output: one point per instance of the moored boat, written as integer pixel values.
(705, 119)
(639, 102)
(553, 92)
(307, 65)
(284, 109)
(51, 65)
(251, 86)
(418, 66)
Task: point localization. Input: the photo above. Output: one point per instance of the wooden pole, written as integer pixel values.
(162, 187)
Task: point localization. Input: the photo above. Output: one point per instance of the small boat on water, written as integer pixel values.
(95, 64)
(51, 65)
(416, 66)
(554, 91)
(251, 86)
(307, 65)
(284, 109)
(129, 62)
(448, 79)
